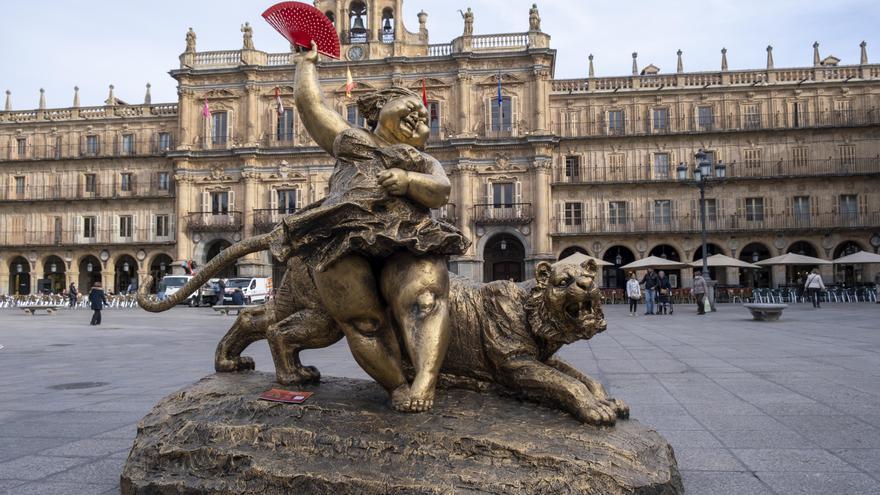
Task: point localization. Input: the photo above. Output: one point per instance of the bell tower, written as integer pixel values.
(373, 29)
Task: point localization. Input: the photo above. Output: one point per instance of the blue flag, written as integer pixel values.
(500, 103)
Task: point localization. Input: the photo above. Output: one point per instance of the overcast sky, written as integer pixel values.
(58, 45)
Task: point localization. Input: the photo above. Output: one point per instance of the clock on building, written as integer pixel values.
(356, 52)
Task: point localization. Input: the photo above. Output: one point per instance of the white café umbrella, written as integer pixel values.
(578, 258)
(793, 259)
(720, 260)
(654, 262)
(862, 257)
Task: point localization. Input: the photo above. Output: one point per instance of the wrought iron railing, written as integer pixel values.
(508, 213)
(265, 219)
(69, 237)
(102, 147)
(207, 221)
(136, 189)
(445, 213)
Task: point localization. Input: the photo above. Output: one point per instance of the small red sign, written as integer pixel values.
(285, 396)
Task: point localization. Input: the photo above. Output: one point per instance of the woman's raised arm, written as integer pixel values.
(322, 123)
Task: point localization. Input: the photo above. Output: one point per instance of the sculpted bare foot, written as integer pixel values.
(298, 375)
(400, 398)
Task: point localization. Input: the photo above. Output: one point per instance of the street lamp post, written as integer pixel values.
(704, 173)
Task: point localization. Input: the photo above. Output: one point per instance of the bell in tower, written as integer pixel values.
(357, 13)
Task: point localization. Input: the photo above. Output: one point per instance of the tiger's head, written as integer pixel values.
(565, 305)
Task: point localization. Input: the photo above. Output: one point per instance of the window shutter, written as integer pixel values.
(115, 231)
(79, 229)
(206, 203)
(490, 209)
(134, 190)
(299, 198)
(273, 200)
(514, 116)
(487, 110)
(230, 118)
(788, 206)
(97, 226)
(171, 231)
(151, 231)
(517, 199)
(560, 216)
(134, 227)
(231, 201)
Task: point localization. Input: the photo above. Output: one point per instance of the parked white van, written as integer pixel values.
(170, 284)
(255, 290)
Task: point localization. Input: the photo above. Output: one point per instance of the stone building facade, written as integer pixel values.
(557, 166)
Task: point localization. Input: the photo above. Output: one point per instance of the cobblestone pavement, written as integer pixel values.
(791, 407)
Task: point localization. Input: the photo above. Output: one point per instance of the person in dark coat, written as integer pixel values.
(71, 294)
(221, 292)
(664, 292)
(97, 301)
(651, 281)
(237, 298)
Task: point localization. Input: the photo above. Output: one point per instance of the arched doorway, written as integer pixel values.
(848, 275)
(711, 249)
(754, 253)
(89, 273)
(19, 276)
(797, 274)
(668, 252)
(159, 267)
(126, 273)
(613, 276)
(54, 274)
(570, 251)
(504, 258)
(213, 250)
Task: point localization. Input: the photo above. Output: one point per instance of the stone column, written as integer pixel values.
(253, 264)
(462, 87)
(184, 194)
(541, 101)
(541, 211)
(185, 138)
(466, 265)
(252, 124)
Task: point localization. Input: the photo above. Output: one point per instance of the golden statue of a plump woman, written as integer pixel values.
(371, 244)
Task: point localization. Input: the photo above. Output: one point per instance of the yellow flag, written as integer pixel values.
(349, 82)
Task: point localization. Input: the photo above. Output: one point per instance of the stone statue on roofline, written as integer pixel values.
(247, 36)
(534, 18)
(190, 41)
(468, 21)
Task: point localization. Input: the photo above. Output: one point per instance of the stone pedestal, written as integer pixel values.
(215, 437)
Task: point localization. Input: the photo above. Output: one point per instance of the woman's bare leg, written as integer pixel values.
(349, 293)
(417, 290)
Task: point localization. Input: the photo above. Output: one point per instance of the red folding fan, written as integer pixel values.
(301, 23)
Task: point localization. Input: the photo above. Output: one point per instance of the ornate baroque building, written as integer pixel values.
(112, 192)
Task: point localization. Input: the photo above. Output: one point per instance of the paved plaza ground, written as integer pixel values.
(753, 408)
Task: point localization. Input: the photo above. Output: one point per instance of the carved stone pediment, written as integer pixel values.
(218, 174)
(219, 93)
(502, 163)
(358, 87)
(505, 79)
(430, 83)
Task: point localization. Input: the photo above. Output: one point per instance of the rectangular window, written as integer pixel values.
(661, 166)
(842, 112)
(164, 181)
(574, 214)
(754, 209)
(89, 227)
(92, 145)
(799, 156)
(799, 113)
(711, 210)
(164, 141)
(19, 186)
(125, 183)
(616, 123)
(219, 127)
(128, 144)
(572, 168)
(284, 132)
(162, 225)
(848, 206)
(847, 155)
(22, 147)
(751, 117)
(125, 226)
(662, 212)
(801, 210)
(502, 195)
(91, 183)
(616, 162)
(353, 115)
(220, 203)
(434, 118)
(705, 117)
(286, 201)
(617, 213)
(661, 119)
(502, 117)
(752, 158)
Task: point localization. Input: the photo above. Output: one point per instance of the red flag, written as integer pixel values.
(424, 93)
(279, 106)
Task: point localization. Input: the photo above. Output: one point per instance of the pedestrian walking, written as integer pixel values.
(699, 291)
(633, 293)
(71, 295)
(813, 285)
(97, 301)
(664, 293)
(650, 281)
(221, 289)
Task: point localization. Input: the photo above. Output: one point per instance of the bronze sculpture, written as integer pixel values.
(371, 243)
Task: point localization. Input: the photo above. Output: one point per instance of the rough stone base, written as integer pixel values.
(216, 437)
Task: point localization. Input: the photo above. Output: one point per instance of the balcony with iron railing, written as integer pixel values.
(115, 147)
(207, 221)
(67, 237)
(823, 167)
(503, 214)
(445, 213)
(645, 125)
(135, 190)
(265, 219)
(648, 224)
